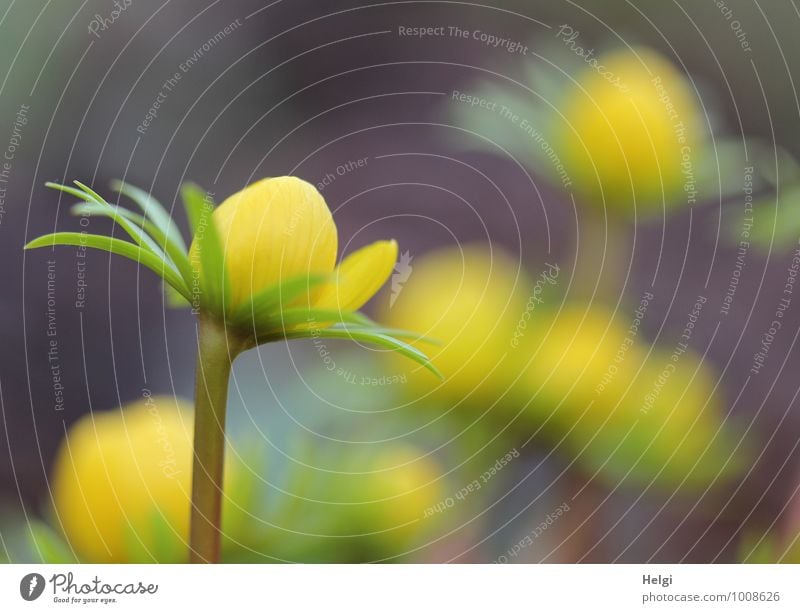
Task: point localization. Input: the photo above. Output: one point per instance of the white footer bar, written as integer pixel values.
(400, 588)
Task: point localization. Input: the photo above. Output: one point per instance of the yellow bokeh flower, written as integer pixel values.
(632, 142)
(119, 474)
(639, 414)
(472, 300)
(121, 483)
(403, 484)
(279, 229)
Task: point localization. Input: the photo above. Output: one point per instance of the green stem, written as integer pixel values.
(603, 253)
(217, 350)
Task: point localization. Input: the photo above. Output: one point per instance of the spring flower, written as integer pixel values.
(473, 300)
(260, 269)
(121, 482)
(643, 417)
(632, 143)
(262, 265)
(280, 228)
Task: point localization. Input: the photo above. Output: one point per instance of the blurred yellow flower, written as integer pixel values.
(650, 416)
(280, 228)
(574, 362)
(632, 142)
(472, 300)
(121, 482)
(404, 482)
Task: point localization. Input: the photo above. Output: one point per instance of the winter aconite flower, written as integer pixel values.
(122, 481)
(262, 264)
(474, 301)
(633, 142)
(261, 268)
(278, 229)
(640, 413)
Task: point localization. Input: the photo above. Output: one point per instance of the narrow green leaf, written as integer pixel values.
(366, 336)
(262, 307)
(119, 247)
(214, 284)
(72, 191)
(153, 210)
(88, 190)
(94, 198)
(394, 332)
(175, 254)
(289, 318)
(174, 299)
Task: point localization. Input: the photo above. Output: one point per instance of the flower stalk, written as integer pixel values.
(216, 351)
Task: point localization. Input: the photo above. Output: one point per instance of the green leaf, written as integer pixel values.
(73, 191)
(757, 549)
(214, 286)
(256, 312)
(289, 318)
(88, 190)
(721, 171)
(93, 199)
(394, 332)
(153, 210)
(775, 223)
(366, 335)
(49, 545)
(173, 251)
(118, 247)
(153, 540)
(174, 299)
(775, 165)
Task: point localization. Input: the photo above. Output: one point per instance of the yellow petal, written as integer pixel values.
(358, 277)
(273, 230)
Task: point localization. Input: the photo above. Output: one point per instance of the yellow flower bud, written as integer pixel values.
(632, 142)
(471, 300)
(272, 230)
(279, 229)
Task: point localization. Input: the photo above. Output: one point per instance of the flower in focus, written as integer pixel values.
(473, 300)
(261, 267)
(631, 136)
(281, 228)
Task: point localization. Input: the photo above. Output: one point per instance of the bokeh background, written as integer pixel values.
(343, 453)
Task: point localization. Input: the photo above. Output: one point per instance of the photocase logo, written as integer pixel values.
(31, 586)
(402, 271)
